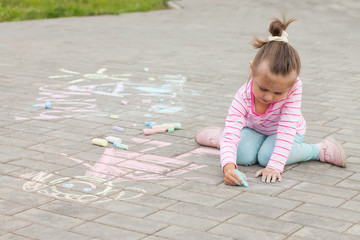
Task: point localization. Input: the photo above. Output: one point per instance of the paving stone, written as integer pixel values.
(316, 221)
(267, 201)
(354, 230)
(254, 209)
(11, 223)
(146, 226)
(311, 198)
(44, 232)
(74, 210)
(13, 237)
(190, 197)
(329, 212)
(315, 233)
(265, 224)
(22, 197)
(183, 220)
(235, 231)
(48, 218)
(9, 208)
(105, 232)
(202, 211)
(326, 190)
(176, 232)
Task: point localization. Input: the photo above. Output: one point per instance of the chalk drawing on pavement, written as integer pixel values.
(101, 182)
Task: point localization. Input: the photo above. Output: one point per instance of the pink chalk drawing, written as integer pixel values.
(101, 180)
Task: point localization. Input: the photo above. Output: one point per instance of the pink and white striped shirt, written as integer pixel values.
(283, 118)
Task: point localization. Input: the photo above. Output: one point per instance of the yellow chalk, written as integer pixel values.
(99, 142)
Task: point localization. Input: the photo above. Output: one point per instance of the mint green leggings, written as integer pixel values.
(257, 148)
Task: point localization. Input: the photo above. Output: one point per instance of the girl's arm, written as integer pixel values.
(231, 136)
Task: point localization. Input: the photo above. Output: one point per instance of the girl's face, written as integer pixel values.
(268, 87)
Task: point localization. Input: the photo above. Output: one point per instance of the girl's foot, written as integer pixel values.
(209, 136)
(332, 151)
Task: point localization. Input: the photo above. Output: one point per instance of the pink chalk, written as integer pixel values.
(124, 102)
(148, 131)
(144, 101)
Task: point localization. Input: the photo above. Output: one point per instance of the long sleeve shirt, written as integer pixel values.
(283, 118)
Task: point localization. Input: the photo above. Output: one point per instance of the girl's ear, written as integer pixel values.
(251, 67)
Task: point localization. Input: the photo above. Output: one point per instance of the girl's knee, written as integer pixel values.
(246, 158)
(263, 157)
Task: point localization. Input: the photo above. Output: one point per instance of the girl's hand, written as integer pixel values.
(268, 175)
(231, 178)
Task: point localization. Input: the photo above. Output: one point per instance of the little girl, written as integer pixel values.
(264, 124)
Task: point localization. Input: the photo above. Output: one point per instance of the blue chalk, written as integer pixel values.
(150, 124)
(48, 105)
(245, 184)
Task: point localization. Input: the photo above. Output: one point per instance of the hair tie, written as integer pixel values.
(282, 38)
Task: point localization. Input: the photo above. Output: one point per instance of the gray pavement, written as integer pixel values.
(189, 62)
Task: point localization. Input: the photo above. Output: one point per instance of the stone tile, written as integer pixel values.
(183, 220)
(152, 201)
(354, 230)
(74, 210)
(315, 233)
(11, 223)
(191, 197)
(206, 212)
(234, 231)
(126, 208)
(349, 184)
(176, 232)
(37, 165)
(105, 232)
(44, 232)
(264, 224)
(22, 197)
(329, 212)
(9, 208)
(326, 190)
(272, 202)
(146, 226)
(352, 205)
(316, 221)
(49, 218)
(311, 177)
(215, 191)
(311, 198)
(251, 209)
(13, 237)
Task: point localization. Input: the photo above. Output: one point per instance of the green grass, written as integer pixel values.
(18, 10)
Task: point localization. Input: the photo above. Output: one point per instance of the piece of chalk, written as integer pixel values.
(146, 69)
(151, 79)
(150, 124)
(162, 126)
(177, 126)
(148, 131)
(112, 139)
(114, 116)
(161, 100)
(124, 102)
(47, 105)
(122, 146)
(99, 141)
(116, 128)
(170, 130)
(245, 184)
(145, 101)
